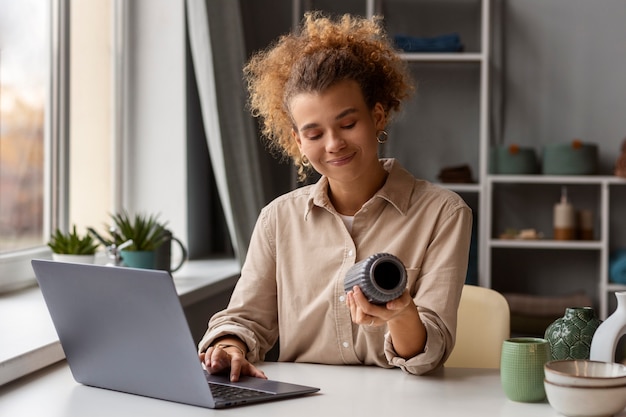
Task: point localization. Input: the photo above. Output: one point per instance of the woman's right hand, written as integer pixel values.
(217, 359)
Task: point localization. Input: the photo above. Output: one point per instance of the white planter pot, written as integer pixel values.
(77, 259)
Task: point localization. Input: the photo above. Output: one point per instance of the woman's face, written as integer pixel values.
(336, 131)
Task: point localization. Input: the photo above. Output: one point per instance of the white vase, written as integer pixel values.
(607, 336)
(78, 259)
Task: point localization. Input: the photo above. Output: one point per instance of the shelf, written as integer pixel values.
(461, 188)
(556, 179)
(545, 244)
(616, 287)
(442, 57)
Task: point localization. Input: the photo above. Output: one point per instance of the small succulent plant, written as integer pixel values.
(146, 231)
(72, 243)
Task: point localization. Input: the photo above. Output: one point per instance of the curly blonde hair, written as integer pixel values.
(320, 54)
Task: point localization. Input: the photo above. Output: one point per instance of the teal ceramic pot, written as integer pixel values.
(513, 160)
(570, 336)
(139, 259)
(574, 158)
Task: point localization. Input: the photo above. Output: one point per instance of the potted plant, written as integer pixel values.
(73, 247)
(147, 234)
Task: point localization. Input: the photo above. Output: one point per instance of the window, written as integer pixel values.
(25, 80)
(56, 125)
(23, 84)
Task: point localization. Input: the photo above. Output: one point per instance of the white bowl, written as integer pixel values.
(586, 401)
(585, 373)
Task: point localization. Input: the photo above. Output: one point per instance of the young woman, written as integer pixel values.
(325, 96)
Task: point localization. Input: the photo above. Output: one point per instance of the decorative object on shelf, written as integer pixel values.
(570, 336)
(381, 277)
(564, 218)
(617, 267)
(609, 333)
(524, 234)
(584, 223)
(461, 174)
(512, 160)
(72, 247)
(620, 164)
(443, 43)
(575, 158)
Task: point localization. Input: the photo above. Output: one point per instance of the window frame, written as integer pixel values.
(16, 272)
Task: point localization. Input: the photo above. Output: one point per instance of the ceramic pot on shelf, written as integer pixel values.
(570, 336)
(609, 333)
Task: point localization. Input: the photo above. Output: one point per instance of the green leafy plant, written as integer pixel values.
(72, 243)
(146, 231)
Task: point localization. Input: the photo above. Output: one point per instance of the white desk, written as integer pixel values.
(345, 391)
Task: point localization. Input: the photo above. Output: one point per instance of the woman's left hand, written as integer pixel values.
(401, 316)
(365, 313)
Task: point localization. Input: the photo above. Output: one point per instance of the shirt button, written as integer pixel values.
(342, 298)
(346, 344)
(350, 252)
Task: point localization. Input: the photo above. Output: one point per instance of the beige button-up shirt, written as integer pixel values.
(291, 285)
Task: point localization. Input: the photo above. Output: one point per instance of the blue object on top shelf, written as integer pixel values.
(617, 267)
(443, 43)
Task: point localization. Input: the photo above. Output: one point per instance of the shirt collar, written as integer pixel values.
(397, 190)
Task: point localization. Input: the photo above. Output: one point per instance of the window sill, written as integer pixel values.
(24, 318)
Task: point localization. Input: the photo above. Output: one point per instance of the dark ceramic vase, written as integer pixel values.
(381, 277)
(570, 336)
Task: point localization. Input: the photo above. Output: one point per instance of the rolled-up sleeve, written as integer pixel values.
(438, 292)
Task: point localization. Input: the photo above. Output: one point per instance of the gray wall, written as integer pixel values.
(563, 64)
(565, 73)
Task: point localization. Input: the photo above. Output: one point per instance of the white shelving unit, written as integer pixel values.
(601, 186)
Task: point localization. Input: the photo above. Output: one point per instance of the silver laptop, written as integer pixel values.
(124, 329)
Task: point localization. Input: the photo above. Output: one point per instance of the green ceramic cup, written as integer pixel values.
(521, 368)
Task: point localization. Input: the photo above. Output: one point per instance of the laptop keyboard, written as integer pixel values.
(231, 393)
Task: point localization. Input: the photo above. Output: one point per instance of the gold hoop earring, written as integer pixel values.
(382, 137)
(305, 161)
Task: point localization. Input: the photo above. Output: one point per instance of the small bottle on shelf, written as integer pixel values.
(564, 219)
(585, 224)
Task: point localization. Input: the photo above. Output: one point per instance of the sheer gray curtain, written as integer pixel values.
(218, 55)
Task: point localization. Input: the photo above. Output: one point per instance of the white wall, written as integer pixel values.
(90, 177)
(156, 179)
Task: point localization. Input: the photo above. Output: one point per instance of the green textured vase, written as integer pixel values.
(570, 336)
